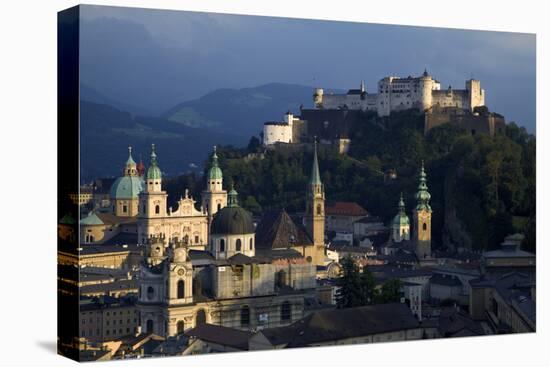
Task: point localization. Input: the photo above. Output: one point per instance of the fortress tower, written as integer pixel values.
(476, 94)
(214, 198)
(318, 98)
(426, 85)
(315, 212)
(422, 218)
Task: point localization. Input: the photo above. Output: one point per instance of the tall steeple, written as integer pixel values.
(154, 174)
(314, 219)
(131, 168)
(214, 197)
(362, 86)
(422, 215)
(315, 178)
(232, 198)
(422, 195)
(400, 224)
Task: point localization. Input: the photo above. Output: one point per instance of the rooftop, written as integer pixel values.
(221, 335)
(345, 208)
(337, 324)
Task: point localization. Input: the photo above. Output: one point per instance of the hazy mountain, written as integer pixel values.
(242, 111)
(90, 94)
(106, 132)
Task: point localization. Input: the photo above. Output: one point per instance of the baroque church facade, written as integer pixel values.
(228, 282)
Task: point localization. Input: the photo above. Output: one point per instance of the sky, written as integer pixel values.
(156, 59)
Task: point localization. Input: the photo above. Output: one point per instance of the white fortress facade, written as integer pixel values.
(395, 93)
(279, 131)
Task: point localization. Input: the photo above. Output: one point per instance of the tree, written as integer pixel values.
(349, 293)
(368, 287)
(254, 145)
(391, 291)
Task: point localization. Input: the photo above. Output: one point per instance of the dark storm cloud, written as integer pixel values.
(156, 58)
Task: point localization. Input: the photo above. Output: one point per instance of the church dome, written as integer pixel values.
(401, 220)
(126, 187)
(154, 173)
(215, 172)
(232, 219)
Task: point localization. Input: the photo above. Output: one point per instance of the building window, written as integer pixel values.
(286, 311)
(200, 319)
(149, 327)
(125, 208)
(222, 245)
(196, 239)
(180, 326)
(318, 209)
(150, 293)
(245, 316)
(424, 226)
(219, 207)
(238, 245)
(181, 289)
(280, 279)
(157, 209)
(251, 244)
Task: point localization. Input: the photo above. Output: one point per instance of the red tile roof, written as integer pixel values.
(346, 208)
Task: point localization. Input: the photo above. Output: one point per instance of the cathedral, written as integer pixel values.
(213, 264)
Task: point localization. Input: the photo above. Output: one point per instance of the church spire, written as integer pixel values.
(315, 178)
(154, 173)
(422, 195)
(215, 172)
(232, 197)
(362, 86)
(130, 168)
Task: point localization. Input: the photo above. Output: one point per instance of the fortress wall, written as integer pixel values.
(277, 133)
(456, 98)
(485, 124)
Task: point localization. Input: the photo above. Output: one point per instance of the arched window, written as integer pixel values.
(222, 245)
(245, 316)
(219, 207)
(238, 245)
(424, 226)
(318, 209)
(150, 293)
(200, 317)
(149, 327)
(286, 311)
(180, 327)
(157, 209)
(181, 289)
(280, 279)
(251, 244)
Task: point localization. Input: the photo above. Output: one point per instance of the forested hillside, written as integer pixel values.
(482, 187)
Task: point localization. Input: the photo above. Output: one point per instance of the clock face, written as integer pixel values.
(181, 272)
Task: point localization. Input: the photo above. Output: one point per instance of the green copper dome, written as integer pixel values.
(401, 218)
(215, 172)
(130, 161)
(422, 195)
(232, 219)
(127, 187)
(154, 173)
(91, 220)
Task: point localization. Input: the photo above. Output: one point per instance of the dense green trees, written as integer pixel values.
(359, 288)
(482, 187)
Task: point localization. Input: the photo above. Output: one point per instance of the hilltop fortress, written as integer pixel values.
(333, 115)
(395, 94)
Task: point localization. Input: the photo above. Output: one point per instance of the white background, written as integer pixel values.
(28, 180)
